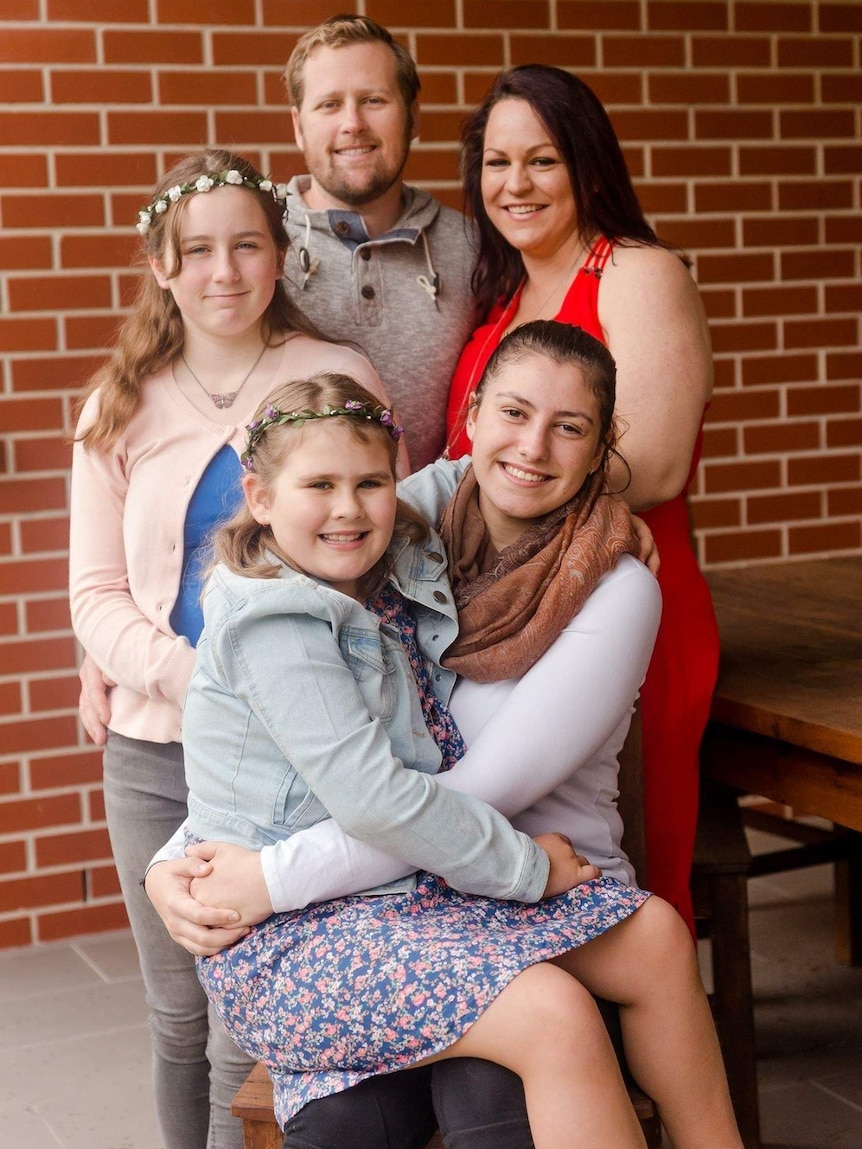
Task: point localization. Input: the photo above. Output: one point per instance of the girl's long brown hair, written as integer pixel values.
(152, 333)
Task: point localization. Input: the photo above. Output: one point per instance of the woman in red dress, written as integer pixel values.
(562, 236)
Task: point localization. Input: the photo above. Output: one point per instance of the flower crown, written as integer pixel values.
(272, 417)
(204, 184)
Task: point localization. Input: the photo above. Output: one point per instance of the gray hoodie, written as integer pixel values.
(379, 294)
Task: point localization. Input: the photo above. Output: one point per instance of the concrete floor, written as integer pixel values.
(74, 1057)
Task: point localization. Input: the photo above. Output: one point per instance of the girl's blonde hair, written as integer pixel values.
(246, 546)
(152, 333)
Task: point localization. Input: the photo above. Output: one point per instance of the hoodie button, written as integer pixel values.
(367, 291)
(342, 227)
(365, 254)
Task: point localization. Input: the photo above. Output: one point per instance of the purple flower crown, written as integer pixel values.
(354, 408)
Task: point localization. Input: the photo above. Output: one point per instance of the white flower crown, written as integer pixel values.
(204, 184)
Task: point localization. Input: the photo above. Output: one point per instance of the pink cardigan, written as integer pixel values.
(126, 544)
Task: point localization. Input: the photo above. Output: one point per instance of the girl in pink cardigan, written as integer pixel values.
(156, 468)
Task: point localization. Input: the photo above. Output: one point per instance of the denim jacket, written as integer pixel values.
(303, 705)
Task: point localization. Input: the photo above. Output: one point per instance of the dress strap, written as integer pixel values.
(597, 257)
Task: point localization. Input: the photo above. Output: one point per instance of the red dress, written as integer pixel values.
(675, 698)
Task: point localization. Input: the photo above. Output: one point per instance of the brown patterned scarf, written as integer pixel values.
(513, 605)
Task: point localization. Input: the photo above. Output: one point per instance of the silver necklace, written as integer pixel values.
(224, 398)
(567, 275)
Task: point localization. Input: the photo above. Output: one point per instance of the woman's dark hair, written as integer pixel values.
(579, 126)
(564, 343)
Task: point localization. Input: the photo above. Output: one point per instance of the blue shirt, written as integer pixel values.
(216, 497)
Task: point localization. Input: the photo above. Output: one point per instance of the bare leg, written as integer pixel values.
(545, 1027)
(648, 965)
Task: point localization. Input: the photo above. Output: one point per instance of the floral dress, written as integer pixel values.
(359, 986)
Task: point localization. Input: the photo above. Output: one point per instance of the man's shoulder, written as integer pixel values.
(452, 225)
(437, 215)
(420, 199)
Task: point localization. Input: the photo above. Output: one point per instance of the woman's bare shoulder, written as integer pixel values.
(645, 279)
(634, 259)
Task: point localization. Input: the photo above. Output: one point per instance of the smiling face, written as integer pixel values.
(332, 505)
(353, 125)
(536, 439)
(230, 263)
(526, 188)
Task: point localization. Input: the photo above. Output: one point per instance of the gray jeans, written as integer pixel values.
(196, 1067)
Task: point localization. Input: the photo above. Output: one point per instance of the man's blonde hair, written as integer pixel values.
(339, 32)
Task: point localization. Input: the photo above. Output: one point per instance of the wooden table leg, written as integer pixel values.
(720, 889)
(848, 903)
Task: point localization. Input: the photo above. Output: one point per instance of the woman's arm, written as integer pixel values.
(561, 712)
(124, 643)
(655, 327)
(553, 721)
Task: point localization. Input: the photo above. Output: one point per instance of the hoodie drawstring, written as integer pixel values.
(430, 282)
(307, 265)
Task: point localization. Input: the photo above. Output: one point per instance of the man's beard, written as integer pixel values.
(377, 184)
(358, 195)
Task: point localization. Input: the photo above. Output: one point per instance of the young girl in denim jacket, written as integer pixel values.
(316, 623)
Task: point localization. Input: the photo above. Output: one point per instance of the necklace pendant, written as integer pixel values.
(224, 400)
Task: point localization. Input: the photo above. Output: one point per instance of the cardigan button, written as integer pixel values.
(439, 596)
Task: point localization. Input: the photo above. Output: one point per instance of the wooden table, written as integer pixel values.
(787, 713)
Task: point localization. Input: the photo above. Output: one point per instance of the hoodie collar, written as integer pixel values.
(419, 209)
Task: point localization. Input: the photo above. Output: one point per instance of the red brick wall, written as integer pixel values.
(741, 124)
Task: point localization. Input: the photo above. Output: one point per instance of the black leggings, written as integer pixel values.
(477, 1105)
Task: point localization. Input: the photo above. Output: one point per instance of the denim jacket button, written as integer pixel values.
(439, 596)
(434, 556)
